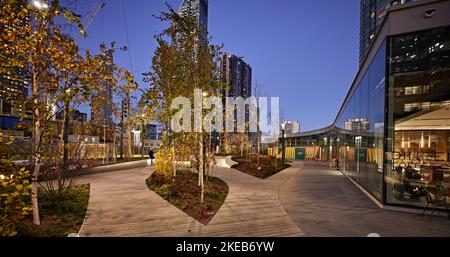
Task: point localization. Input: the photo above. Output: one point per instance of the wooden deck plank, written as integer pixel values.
(122, 205)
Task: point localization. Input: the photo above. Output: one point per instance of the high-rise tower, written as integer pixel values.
(237, 75)
(372, 13)
(103, 114)
(198, 9)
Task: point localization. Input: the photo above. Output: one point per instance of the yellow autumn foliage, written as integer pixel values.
(163, 164)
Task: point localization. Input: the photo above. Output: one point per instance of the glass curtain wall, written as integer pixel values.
(396, 124)
(360, 128)
(419, 137)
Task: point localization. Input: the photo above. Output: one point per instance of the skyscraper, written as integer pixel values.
(102, 114)
(12, 87)
(198, 9)
(372, 13)
(237, 75)
(14, 81)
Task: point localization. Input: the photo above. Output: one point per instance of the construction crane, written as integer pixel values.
(94, 13)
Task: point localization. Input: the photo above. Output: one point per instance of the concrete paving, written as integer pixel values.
(323, 202)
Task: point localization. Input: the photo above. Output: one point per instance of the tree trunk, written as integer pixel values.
(65, 140)
(142, 141)
(129, 139)
(37, 158)
(96, 151)
(258, 139)
(174, 165)
(129, 143)
(208, 167)
(201, 170)
(114, 146)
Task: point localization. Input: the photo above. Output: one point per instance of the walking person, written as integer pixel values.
(151, 155)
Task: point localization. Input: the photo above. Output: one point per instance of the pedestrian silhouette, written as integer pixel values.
(151, 155)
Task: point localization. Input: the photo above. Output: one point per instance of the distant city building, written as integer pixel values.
(198, 9)
(13, 91)
(103, 101)
(357, 125)
(372, 13)
(291, 127)
(74, 116)
(11, 96)
(237, 75)
(152, 144)
(12, 88)
(152, 132)
(14, 85)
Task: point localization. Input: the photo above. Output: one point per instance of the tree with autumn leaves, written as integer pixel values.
(61, 77)
(183, 61)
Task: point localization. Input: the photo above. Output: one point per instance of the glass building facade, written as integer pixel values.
(419, 100)
(372, 13)
(392, 133)
(361, 128)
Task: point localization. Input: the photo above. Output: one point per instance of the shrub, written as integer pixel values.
(14, 201)
(163, 164)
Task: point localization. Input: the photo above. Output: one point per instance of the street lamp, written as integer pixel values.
(95, 142)
(283, 142)
(142, 138)
(40, 5)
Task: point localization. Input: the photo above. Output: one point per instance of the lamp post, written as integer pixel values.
(104, 143)
(142, 136)
(121, 131)
(338, 147)
(283, 142)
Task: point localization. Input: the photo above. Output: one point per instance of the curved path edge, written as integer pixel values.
(122, 205)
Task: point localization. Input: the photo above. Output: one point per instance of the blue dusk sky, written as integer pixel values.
(303, 51)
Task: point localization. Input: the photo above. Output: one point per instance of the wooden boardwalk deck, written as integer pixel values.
(122, 205)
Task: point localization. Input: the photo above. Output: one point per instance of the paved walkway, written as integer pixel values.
(322, 202)
(308, 199)
(122, 205)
